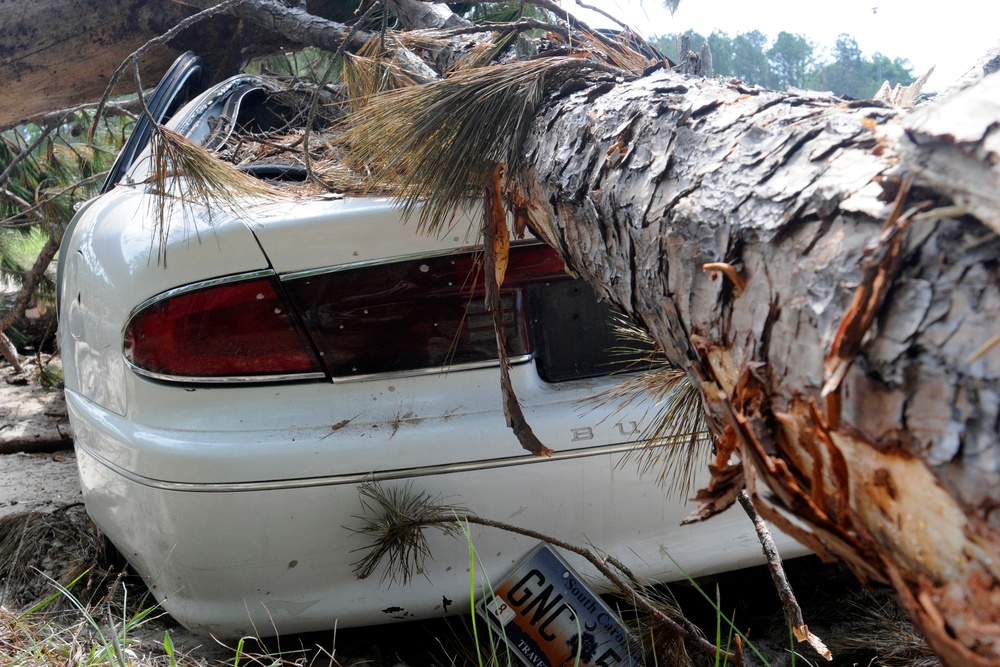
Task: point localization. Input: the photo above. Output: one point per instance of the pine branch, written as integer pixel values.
(26, 151)
(405, 514)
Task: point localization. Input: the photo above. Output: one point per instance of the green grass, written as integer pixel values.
(35, 638)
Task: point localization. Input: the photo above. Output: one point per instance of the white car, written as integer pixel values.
(231, 385)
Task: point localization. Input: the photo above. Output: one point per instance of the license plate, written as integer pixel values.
(550, 618)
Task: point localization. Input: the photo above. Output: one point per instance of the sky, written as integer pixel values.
(951, 34)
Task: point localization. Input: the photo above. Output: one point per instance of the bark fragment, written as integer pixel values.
(496, 247)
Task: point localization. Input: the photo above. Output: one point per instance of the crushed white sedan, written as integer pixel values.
(234, 377)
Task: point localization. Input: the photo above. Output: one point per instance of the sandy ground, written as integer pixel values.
(39, 482)
(32, 418)
(38, 468)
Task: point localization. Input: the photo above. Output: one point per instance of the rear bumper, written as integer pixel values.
(242, 529)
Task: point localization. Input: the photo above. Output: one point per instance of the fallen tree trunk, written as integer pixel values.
(58, 54)
(803, 259)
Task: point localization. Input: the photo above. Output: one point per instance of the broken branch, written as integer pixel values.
(793, 612)
(446, 518)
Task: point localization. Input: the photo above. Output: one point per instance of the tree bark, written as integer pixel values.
(833, 349)
(60, 53)
(57, 54)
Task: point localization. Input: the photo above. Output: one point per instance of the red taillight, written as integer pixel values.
(416, 314)
(232, 330)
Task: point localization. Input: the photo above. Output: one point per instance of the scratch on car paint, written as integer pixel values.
(292, 607)
(517, 513)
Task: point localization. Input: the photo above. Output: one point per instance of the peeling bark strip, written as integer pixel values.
(496, 251)
(880, 269)
(791, 194)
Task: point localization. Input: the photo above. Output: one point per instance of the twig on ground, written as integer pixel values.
(793, 612)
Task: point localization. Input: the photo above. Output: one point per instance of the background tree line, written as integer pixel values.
(793, 60)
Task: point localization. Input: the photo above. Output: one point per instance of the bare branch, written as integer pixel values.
(9, 353)
(126, 108)
(294, 24)
(137, 54)
(793, 612)
(610, 17)
(520, 25)
(7, 222)
(406, 514)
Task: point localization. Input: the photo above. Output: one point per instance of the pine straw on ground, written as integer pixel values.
(38, 549)
(39, 626)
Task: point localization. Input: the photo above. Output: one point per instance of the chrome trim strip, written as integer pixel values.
(436, 370)
(375, 476)
(291, 377)
(233, 379)
(326, 270)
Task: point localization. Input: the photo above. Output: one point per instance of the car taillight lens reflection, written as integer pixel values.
(426, 313)
(232, 330)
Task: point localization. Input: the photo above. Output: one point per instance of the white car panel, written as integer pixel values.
(297, 237)
(281, 559)
(193, 435)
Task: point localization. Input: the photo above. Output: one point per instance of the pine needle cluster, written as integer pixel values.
(676, 445)
(441, 142)
(395, 518)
